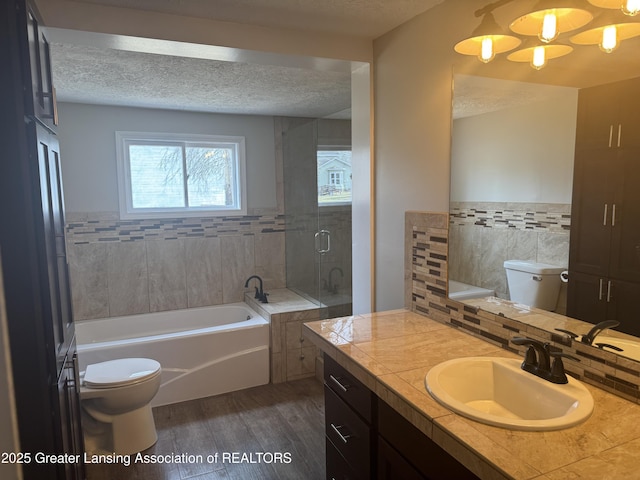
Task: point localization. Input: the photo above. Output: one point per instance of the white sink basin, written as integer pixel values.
(630, 349)
(496, 391)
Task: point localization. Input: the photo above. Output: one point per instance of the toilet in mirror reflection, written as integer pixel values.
(534, 284)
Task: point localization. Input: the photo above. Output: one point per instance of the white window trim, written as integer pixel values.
(127, 212)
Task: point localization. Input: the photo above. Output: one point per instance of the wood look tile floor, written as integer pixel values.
(286, 418)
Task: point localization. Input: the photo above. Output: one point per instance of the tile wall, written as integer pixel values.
(138, 266)
(426, 263)
(483, 235)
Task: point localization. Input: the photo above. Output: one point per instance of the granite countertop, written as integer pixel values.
(391, 352)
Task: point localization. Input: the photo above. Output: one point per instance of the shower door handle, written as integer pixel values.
(323, 234)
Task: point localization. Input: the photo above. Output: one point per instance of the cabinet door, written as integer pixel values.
(628, 92)
(392, 465)
(587, 297)
(69, 438)
(591, 211)
(57, 275)
(597, 121)
(623, 306)
(625, 240)
(41, 100)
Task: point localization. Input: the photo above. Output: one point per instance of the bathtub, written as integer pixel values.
(203, 351)
(462, 291)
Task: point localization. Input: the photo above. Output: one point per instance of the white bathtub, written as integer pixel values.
(203, 351)
(462, 291)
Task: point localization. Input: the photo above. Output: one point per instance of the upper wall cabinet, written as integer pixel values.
(41, 100)
(604, 257)
(607, 116)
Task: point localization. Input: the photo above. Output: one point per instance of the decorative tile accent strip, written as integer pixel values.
(106, 229)
(427, 265)
(547, 217)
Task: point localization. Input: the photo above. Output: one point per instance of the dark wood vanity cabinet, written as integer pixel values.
(367, 439)
(349, 416)
(604, 257)
(33, 251)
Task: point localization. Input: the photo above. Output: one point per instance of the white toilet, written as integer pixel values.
(534, 284)
(116, 395)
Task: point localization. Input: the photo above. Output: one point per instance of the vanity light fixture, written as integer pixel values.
(487, 40)
(607, 33)
(538, 55)
(628, 7)
(550, 18)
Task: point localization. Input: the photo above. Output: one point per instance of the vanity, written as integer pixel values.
(405, 433)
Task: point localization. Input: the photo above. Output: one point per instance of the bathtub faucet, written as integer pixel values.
(332, 287)
(260, 294)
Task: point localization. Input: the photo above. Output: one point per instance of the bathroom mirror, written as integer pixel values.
(513, 140)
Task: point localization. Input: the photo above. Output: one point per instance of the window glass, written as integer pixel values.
(165, 175)
(334, 176)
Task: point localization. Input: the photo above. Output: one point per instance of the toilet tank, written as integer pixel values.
(534, 284)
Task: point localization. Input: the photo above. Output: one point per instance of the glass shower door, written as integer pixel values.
(318, 235)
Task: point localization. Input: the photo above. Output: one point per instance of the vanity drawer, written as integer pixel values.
(348, 433)
(337, 466)
(347, 387)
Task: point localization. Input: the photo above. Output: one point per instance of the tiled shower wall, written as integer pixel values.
(122, 267)
(426, 262)
(483, 235)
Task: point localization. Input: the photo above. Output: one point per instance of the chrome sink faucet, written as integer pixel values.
(260, 294)
(537, 360)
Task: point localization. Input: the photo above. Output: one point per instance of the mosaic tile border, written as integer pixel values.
(545, 217)
(427, 249)
(101, 228)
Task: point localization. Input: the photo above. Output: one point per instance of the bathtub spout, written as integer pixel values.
(260, 294)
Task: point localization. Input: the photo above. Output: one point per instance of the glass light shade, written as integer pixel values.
(540, 21)
(487, 40)
(628, 7)
(539, 55)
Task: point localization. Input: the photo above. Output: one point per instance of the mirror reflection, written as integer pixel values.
(522, 239)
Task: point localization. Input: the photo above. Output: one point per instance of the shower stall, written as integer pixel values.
(317, 206)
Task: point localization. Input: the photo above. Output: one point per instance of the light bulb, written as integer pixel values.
(609, 39)
(538, 59)
(549, 30)
(487, 53)
(631, 7)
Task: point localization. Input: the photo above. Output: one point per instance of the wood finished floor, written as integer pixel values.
(284, 418)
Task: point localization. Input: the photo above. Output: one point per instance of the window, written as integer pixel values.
(175, 175)
(334, 176)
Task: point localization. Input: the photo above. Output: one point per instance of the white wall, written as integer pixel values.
(412, 79)
(521, 154)
(8, 419)
(88, 149)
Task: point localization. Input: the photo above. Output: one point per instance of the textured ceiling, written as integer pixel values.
(475, 95)
(86, 73)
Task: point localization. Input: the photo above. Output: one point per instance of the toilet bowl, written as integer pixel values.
(534, 284)
(115, 396)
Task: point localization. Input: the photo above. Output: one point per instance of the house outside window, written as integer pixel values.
(334, 176)
(175, 175)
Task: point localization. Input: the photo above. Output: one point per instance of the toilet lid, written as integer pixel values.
(121, 372)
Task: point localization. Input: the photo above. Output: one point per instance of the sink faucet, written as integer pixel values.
(589, 337)
(260, 294)
(537, 360)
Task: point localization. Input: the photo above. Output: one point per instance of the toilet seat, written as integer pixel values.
(121, 372)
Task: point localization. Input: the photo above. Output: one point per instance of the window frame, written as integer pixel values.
(125, 196)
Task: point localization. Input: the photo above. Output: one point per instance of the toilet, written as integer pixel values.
(534, 284)
(115, 396)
